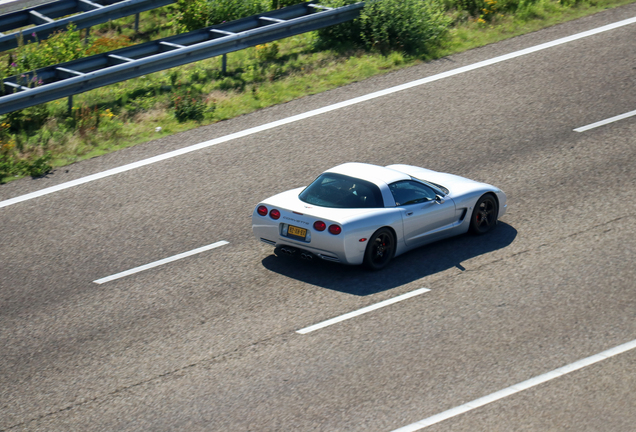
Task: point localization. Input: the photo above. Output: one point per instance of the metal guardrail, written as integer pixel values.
(7, 6)
(89, 73)
(83, 14)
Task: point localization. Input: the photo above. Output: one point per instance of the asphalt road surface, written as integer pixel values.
(210, 343)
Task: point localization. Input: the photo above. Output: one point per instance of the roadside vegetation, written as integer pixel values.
(388, 35)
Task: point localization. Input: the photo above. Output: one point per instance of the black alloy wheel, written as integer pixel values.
(380, 249)
(484, 216)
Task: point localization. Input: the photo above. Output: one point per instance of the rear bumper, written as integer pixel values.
(345, 248)
(302, 251)
(321, 246)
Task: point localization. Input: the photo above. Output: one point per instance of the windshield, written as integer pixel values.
(340, 191)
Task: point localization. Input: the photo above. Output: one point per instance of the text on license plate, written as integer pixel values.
(296, 232)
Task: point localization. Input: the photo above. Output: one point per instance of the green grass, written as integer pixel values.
(543, 13)
(128, 113)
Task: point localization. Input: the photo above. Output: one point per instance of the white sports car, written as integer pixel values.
(358, 213)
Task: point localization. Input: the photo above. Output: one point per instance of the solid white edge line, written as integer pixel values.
(362, 311)
(518, 387)
(313, 113)
(606, 121)
(160, 262)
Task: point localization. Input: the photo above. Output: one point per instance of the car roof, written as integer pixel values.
(372, 173)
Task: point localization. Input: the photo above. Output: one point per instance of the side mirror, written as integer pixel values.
(439, 199)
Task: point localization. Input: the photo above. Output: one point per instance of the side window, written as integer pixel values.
(411, 192)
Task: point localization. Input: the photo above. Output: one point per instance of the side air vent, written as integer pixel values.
(461, 218)
(269, 242)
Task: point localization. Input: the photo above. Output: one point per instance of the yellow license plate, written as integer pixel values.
(296, 232)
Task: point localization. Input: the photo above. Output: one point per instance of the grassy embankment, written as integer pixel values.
(183, 98)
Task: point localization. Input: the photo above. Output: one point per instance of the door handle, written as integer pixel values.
(409, 213)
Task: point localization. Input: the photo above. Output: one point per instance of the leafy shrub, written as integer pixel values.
(229, 10)
(12, 165)
(403, 25)
(40, 166)
(473, 7)
(60, 47)
(231, 83)
(491, 7)
(522, 9)
(532, 9)
(192, 15)
(109, 126)
(341, 36)
(27, 120)
(189, 107)
(195, 14)
(277, 4)
(13, 121)
(412, 26)
(267, 52)
(253, 74)
(5, 128)
(395, 58)
(486, 10)
(9, 167)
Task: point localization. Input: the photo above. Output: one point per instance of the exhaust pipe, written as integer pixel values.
(306, 256)
(287, 251)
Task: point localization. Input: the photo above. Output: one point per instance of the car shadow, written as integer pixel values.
(413, 265)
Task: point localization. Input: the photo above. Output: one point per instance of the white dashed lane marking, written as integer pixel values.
(362, 311)
(606, 121)
(160, 262)
(532, 382)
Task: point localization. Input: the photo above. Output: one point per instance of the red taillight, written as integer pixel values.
(262, 210)
(335, 229)
(320, 226)
(274, 214)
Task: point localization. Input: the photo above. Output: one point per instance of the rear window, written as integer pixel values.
(340, 191)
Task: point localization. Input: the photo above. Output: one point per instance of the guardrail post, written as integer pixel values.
(224, 64)
(88, 32)
(137, 23)
(70, 104)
